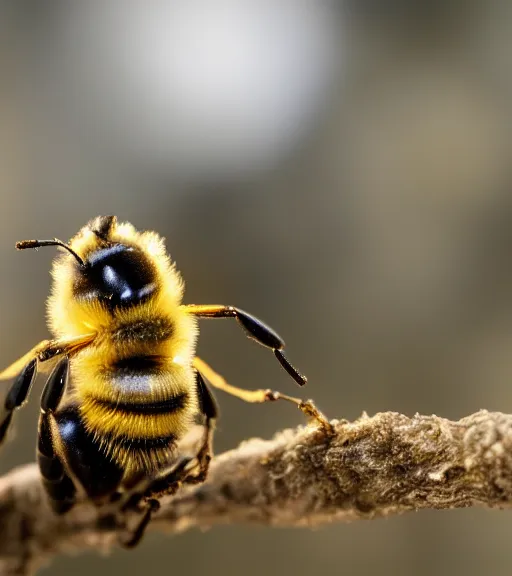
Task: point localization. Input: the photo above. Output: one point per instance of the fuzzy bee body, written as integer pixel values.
(126, 387)
(135, 389)
(132, 384)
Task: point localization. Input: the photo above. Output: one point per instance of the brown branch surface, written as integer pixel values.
(387, 464)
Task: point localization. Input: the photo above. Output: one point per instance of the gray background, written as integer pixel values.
(340, 170)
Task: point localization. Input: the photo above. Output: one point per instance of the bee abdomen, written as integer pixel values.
(139, 398)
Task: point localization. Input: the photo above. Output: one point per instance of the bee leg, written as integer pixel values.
(118, 517)
(208, 407)
(259, 396)
(169, 483)
(142, 498)
(151, 505)
(17, 396)
(254, 328)
(58, 485)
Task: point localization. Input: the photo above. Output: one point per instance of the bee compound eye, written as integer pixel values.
(119, 275)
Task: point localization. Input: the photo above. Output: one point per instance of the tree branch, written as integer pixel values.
(387, 464)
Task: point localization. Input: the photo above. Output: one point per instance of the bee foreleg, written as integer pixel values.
(17, 396)
(254, 328)
(58, 485)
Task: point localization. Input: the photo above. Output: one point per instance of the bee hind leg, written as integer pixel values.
(145, 502)
(307, 407)
(142, 500)
(128, 515)
(145, 512)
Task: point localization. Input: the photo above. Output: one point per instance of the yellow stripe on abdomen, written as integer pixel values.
(144, 419)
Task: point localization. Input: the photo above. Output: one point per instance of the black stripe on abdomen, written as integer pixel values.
(142, 444)
(167, 406)
(136, 365)
(133, 377)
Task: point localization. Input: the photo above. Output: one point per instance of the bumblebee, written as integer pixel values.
(126, 385)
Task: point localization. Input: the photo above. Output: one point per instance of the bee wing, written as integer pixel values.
(45, 351)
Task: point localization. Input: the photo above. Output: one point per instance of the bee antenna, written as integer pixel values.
(24, 244)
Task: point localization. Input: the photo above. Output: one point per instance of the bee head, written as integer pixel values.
(114, 271)
(106, 266)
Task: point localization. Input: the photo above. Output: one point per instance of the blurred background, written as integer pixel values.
(340, 169)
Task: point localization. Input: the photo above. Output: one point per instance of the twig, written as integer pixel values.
(387, 464)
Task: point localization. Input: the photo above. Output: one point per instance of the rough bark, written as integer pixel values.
(387, 464)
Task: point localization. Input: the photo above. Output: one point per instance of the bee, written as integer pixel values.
(126, 385)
